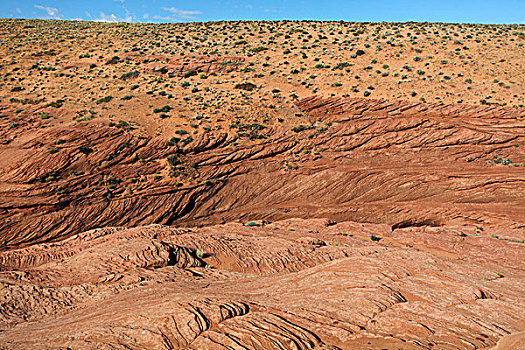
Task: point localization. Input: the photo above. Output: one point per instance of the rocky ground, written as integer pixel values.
(257, 185)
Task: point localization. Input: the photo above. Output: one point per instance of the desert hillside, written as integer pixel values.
(262, 185)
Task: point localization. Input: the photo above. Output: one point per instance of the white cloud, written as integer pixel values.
(51, 12)
(130, 17)
(18, 10)
(177, 14)
(108, 18)
(112, 18)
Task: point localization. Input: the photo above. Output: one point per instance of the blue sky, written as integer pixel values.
(479, 11)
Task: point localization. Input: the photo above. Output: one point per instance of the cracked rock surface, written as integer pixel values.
(291, 284)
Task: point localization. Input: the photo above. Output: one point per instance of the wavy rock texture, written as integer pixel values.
(427, 253)
(293, 284)
(177, 186)
(396, 163)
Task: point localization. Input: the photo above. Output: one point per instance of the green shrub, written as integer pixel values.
(164, 109)
(55, 104)
(300, 128)
(104, 99)
(259, 49)
(85, 150)
(113, 60)
(173, 160)
(246, 86)
(190, 73)
(129, 75)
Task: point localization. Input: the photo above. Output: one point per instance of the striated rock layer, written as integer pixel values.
(397, 226)
(291, 284)
(397, 163)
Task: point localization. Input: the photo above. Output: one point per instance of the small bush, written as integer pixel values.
(55, 104)
(259, 49)
(104, 99)
(84, 149)
(173, 160)
(299, 128)
(113, 60)
(246, 86)
(189, 73)
(164, 109)
(129, 75)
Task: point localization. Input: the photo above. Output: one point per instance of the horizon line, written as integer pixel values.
(257, 20)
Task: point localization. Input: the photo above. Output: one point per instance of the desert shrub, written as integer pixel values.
(173, 160)
(164, 109)
(104, 99)
(341, 65)
(51, 176)
(113, 60)
(55, 104)
(85, 150)
(259, 49)
(300, 128)
(129, 75)
(190, 73)
(246, 86)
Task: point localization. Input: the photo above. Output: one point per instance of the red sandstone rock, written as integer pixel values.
(264, 287)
